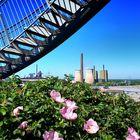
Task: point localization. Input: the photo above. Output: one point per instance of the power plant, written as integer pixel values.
(103, 75)
(95, 75)
(91, 75)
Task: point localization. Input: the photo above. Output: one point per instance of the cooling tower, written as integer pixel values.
(89, 76)
(103, 75)
(78, 76)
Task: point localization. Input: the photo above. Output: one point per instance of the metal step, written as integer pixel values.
(50, 29)
(46, 19)
(39, 31)
(67, 6)
(26, 41)
(11, 51)
(2, 60)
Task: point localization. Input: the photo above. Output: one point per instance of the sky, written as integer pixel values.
(111, 37)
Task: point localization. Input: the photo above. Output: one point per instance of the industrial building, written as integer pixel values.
(95, 75)
(103, 75)
(89, 78)
(91, 75)
(77, 76)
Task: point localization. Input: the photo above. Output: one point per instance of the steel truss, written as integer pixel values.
(53, 26)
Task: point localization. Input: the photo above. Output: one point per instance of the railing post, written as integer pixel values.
(48, 3)
(4, 27)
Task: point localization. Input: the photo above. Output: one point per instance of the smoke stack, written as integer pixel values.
(103, 67)
(93, 67)
(81, 67)
(36, 69)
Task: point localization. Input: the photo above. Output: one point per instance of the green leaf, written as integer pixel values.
(2, 111)
(23, 133)
(39, 133)
(1, 123)
(10, 99)
(17, 131)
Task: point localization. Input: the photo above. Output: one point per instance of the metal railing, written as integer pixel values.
(16, 16)
(30, 29)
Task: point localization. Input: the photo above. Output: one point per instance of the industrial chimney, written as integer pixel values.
(81, 68)
(36, 69)
(103, 67)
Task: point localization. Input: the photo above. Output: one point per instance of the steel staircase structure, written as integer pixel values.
(42, 29)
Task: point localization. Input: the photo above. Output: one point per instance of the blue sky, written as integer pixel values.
(112, 38)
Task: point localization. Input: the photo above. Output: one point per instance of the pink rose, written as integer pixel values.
(56, 96)
(68, 113)
(102, 89)
(70, 104)
(91, 126)
(23, 125)
(132, 134)
(51, 135)
(73, 81)
(129, 137)
(17, 110)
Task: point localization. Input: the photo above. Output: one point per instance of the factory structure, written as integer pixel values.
(104, 75)
(91, 75)
(37, 75)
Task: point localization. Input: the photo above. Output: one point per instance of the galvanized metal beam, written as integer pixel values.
(67, 19)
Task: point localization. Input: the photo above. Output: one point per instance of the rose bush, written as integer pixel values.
(61, 109)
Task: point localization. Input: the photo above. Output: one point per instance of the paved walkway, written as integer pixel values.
(132, 91)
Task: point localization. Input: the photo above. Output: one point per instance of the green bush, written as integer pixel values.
(113, 113)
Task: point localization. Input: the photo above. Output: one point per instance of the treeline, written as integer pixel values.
(119, 83)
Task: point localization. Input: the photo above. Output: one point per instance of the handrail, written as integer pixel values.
(48, 8)
(26, 16)
(3, 3)
(17, 29)
(10, 28)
